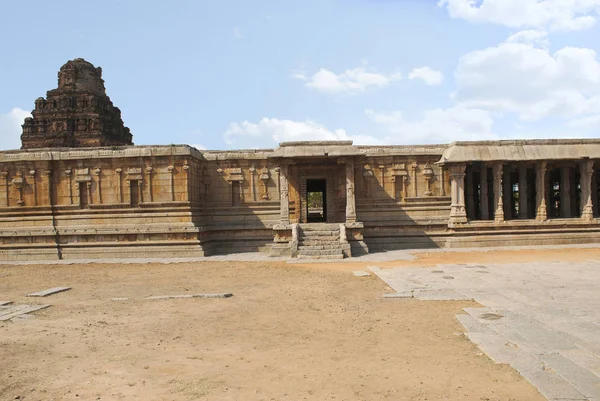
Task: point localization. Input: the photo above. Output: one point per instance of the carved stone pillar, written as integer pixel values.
(523, 192)
(68, 173)
(18, 183)
(415, 166)
(458, 213)
(119, 171)
(48, 174)
(264, 178)
(88, 186)
(284, 207)
(483, 183)
(4, 175)
(507, 194)
(565, 192)
(252, 183)
(428, 174)
(171, 170)
(587, 206)
(350, 192)
(149, 170)
(33, 186)
(97, 171)
(277, 182)
(498, 205)
(186, 170)
(442, 181)
(540, 183)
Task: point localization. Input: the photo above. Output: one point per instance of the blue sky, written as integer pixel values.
(245, 74)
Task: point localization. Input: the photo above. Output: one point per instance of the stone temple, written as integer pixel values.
(78, 188)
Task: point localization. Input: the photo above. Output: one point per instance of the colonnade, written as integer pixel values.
(541, 190)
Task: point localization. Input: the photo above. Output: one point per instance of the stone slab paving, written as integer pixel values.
(11, 311)
(223, 295)
(542, 318)
(49, 291)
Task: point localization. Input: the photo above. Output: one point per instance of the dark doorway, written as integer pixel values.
(134, 194)
(316, 201)
(83, 196)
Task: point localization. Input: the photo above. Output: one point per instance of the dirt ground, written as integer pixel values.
(290, 332)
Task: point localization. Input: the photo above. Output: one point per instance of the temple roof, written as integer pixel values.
(522, 150)
(316, 149)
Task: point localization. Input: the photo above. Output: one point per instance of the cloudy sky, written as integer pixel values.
(246, 74)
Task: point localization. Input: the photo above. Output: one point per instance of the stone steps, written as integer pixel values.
(320, 227)
(320, 233)
(319, 246)
(340, 256)
(320, 241)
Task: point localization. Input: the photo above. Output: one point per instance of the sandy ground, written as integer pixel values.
(290, 332)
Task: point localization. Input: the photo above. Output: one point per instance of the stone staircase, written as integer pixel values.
(321, 241)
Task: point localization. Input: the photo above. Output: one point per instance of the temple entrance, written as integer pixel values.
(316, 200)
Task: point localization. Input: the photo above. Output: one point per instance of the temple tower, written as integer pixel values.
(76, 114)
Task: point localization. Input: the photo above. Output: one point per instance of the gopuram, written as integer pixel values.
(78, 188)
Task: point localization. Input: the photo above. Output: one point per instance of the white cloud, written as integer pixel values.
(590, 122)
(350, 81)
(559, 15)
(531, 37)
(436, 126)
(271, 131)
(530, 81)
(428, 75)
(10, 128)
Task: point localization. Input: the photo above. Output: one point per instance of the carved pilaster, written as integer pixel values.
(33, 186)
(381, 168)
(69, 173)
(171, 170)
(415, 167)
(264, 178)
(4, 175)
(186, 170)
(252, 171)
(149, 170)
(48, 174)
(428, 174)
(18, 183)
(97, 172)
(277, 181)
(119, 172)
(442, 180)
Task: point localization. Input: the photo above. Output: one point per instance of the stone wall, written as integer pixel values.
(177, 201)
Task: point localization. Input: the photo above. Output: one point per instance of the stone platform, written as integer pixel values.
(541, 318)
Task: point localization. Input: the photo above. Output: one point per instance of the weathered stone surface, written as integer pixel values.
(223, 295)
(76, 114)
(12, 311)
(49, 291)
(541, 318)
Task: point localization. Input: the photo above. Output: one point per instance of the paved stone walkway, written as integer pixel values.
(541, 318)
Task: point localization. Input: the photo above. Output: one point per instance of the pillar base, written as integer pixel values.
(542, 214)
(588, 213)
